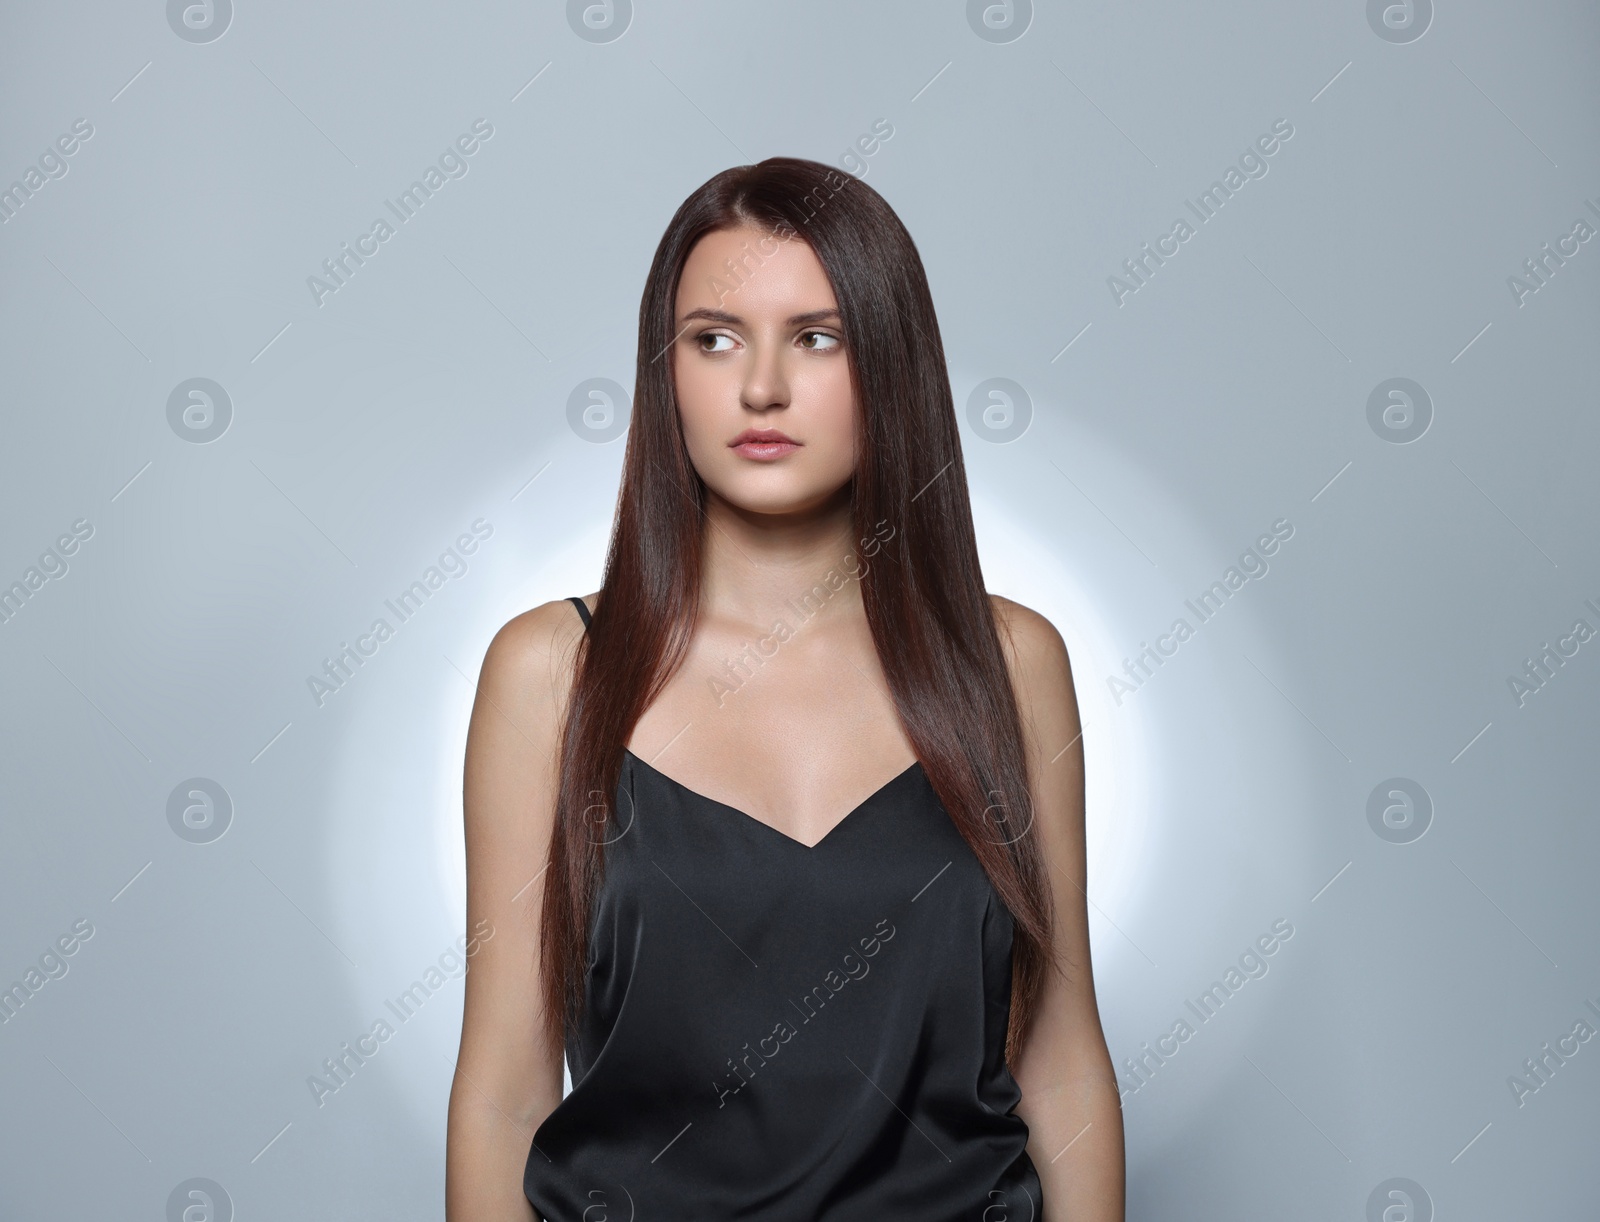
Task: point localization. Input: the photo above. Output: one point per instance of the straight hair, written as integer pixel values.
(931, 619)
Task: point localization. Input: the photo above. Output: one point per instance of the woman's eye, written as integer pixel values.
(826, 341)
(713, 337)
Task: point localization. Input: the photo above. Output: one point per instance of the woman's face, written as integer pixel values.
(759, 348)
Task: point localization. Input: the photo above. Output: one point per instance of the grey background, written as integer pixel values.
(1163, 435)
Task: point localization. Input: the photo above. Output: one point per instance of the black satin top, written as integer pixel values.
(778, 1033)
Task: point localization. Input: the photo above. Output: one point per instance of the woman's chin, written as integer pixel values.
(768, 497)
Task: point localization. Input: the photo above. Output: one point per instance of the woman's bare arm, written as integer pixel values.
(1069, 1091)
(508, 1072)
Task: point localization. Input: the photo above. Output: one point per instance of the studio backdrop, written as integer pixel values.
(1272, 334)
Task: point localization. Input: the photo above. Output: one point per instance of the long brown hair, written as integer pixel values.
(930, 616)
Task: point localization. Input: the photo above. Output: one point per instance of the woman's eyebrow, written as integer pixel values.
(800, 320)
(722, 316)
(733, 320)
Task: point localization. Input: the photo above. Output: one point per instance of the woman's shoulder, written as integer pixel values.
(531, 654)
(1041, 672)
(1028, 636)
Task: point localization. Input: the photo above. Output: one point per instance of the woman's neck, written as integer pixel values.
(754, 566)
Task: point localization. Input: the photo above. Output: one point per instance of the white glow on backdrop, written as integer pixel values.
(395, 805)
(1177, 852)
(1029, 568)
(1165, 836)
(571, 568)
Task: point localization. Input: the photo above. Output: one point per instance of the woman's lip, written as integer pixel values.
(763, 445)
(765, 451)
(762, 435)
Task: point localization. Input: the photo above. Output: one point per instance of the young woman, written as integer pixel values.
(781, 832)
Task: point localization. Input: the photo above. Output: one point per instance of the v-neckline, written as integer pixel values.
(869, 800)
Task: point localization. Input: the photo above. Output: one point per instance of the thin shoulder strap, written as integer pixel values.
(583, 609)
